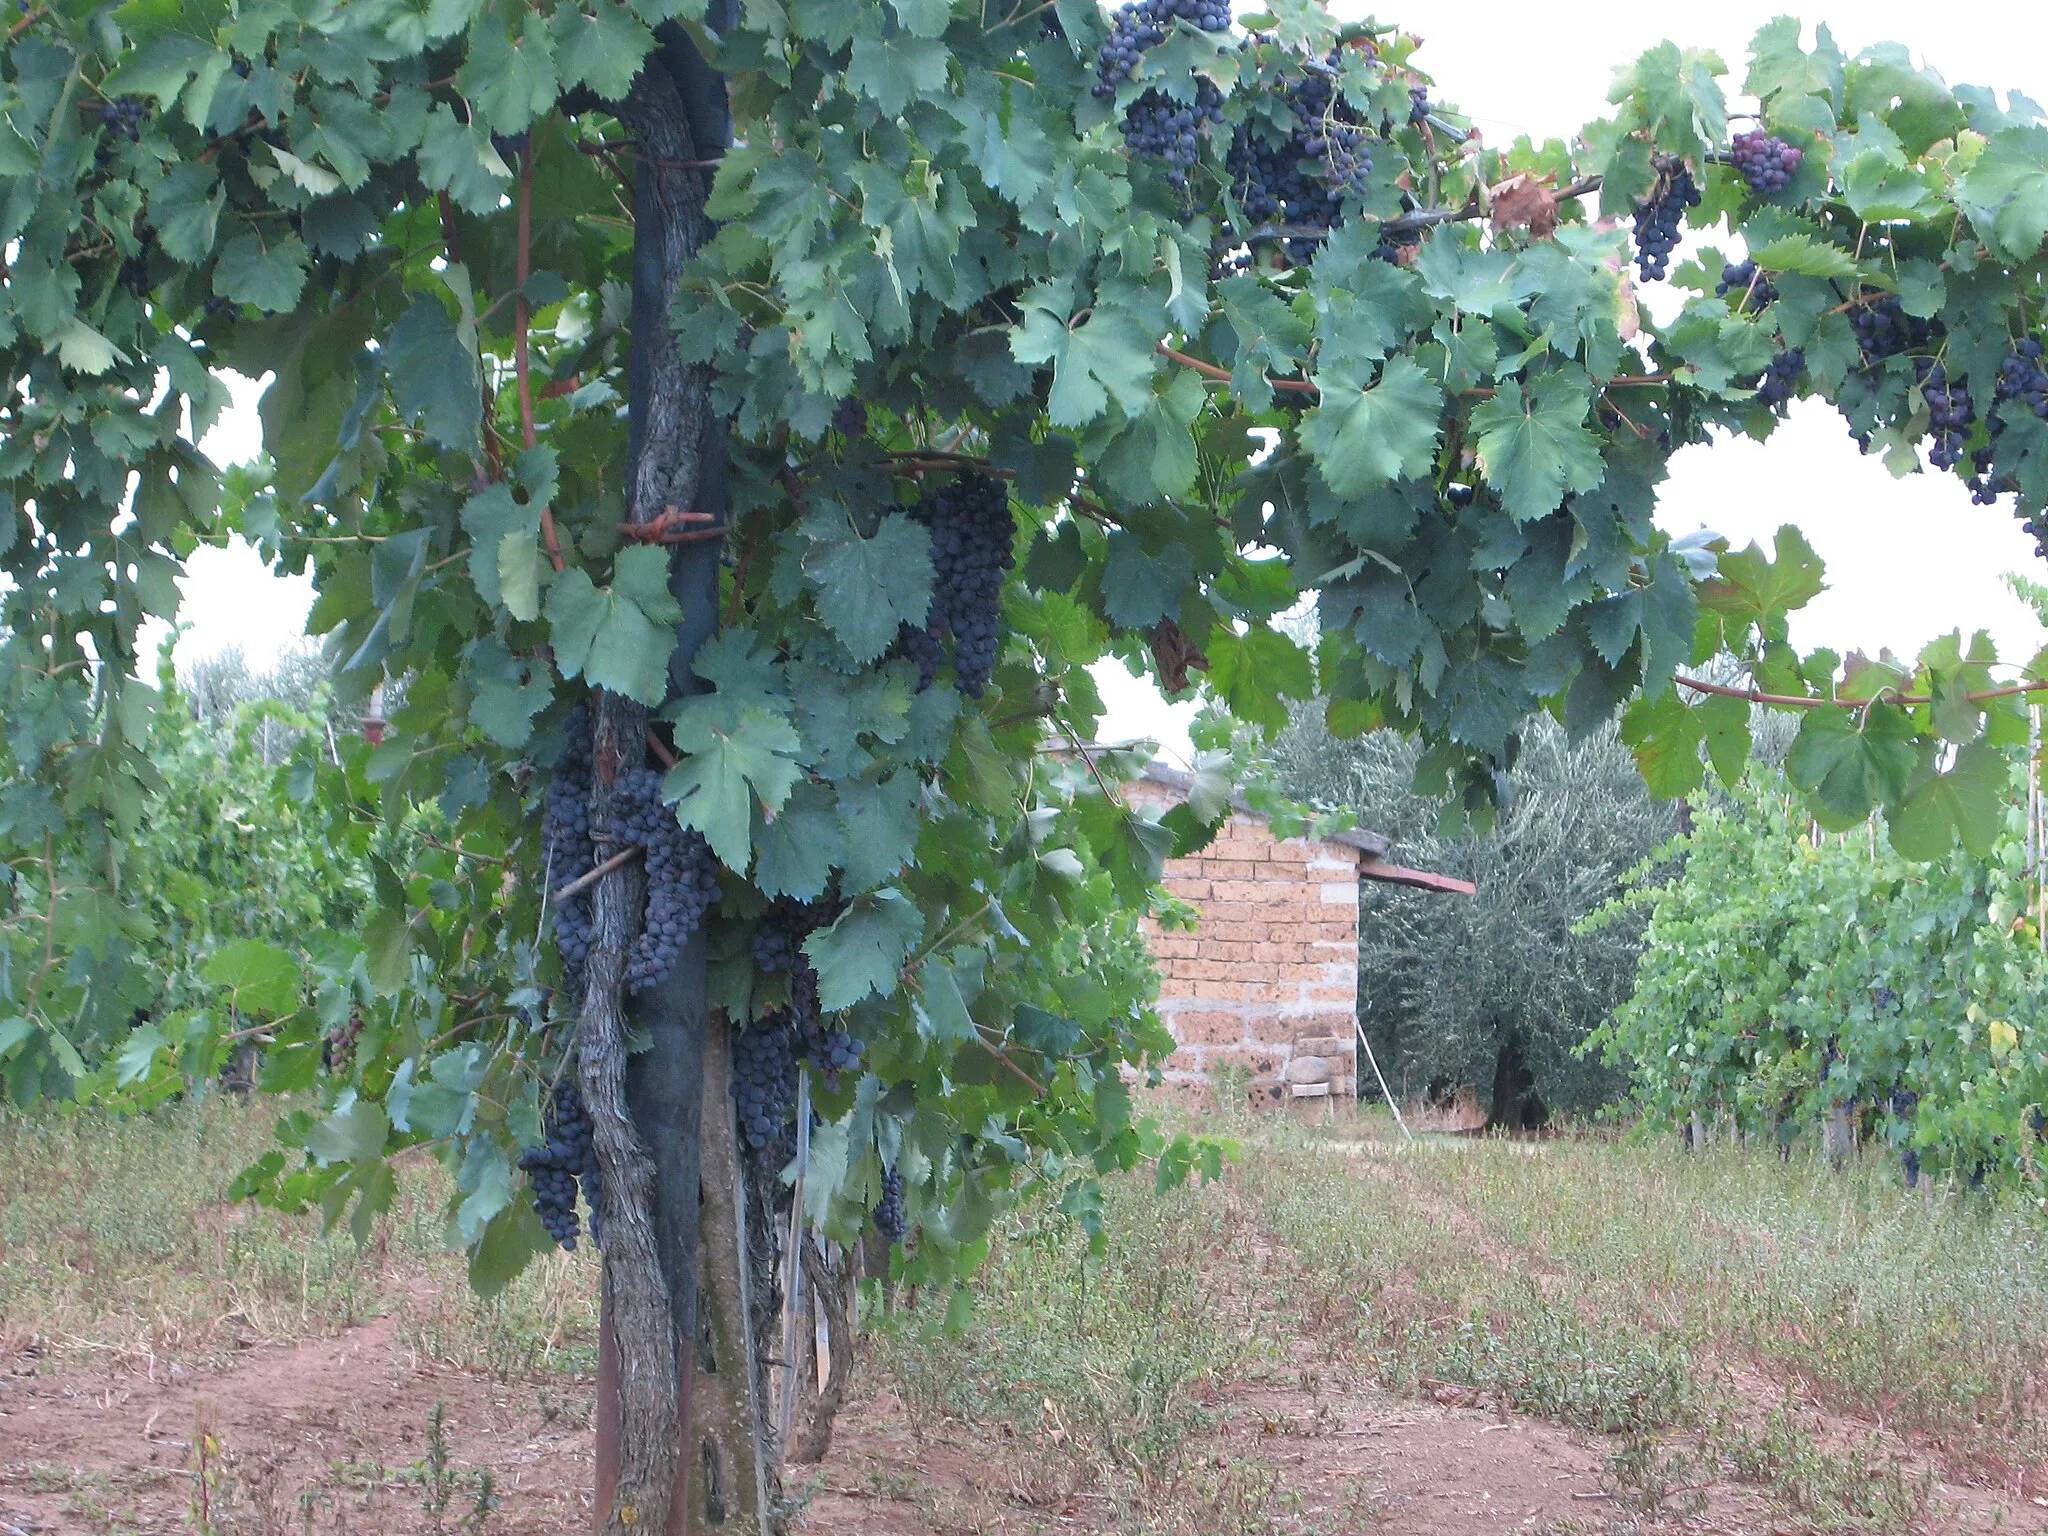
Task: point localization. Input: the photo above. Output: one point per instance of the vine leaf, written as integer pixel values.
(1846, 770)
(864, 951)
(260, 978)
(435, 376)
(1362, 438)
(866, 588)
(271, 277)
(2006, 191)
(601, 47)
(1968, 802)
(733, 757)
(1534, 444)
(1108, 355)
(355, 1133)
(617, 637)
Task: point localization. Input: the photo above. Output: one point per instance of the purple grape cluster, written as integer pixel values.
(778, 942)
(1883, 328)
(764, 1080)
(2022, 386)
(682, 876)
(1766, 163)
(1752, 289)
(124, 117)
(923, 647)
(1168, 130)
(850, 418)
(973, 539)
(1781, 379)
(889, 1211)
(1950, 412)
(1145, 24)
(1658, 220)
(1304, 179)
(566, 843)
(561, 1163)
(1418, 103)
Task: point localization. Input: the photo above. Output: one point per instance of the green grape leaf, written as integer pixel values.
(1362, 438)
(435, 376)
(617, 637)
(601, 47)
(354, 1133)
(1534, 445)
(2006, 191)
(1849, 768)
(269, 275)
(733, 758)
(865, 950)
(866, 588)
(260, 978)
(1107, 356)
(1968, 801)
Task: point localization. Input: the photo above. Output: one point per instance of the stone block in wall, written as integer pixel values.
(1203, 1027)
(1308, 1069)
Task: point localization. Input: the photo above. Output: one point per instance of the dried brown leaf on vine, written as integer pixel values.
(1174, 654)
(1525, 200)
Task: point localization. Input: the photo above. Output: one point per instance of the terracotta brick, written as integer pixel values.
(1259, 1063)
(1207, 1028)
(1331, 992)
(1175, 986)
(1184, 1061)
(1309, 1026)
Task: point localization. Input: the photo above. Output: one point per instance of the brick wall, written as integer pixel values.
(1269, 974)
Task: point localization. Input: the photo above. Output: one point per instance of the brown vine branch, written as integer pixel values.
(590, 877)
(1884, 696)
(661, 749)
(26, 22)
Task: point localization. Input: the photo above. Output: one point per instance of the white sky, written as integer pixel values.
(1907, 559)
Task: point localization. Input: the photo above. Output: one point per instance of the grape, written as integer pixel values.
(889, 1212)
(1303, 179)
(1781, 378)
(1145, 24)
(2022, 386)
(920, 645)
(1909, 1160)
(1751, 288)
(778, 942)
(1157, 125)
(565, 839)
(682, 876)
(1657, 221)
(1883, 329)
(1418, 103)
(1766, 164)
(850, 419)
(555, 1166)
(973, 534)
(123, 118)
(1950, 412)
(764, 1080)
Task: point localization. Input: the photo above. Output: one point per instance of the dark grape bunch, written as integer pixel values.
(1145, 24)
(777, 944)
(124, 117)
(1781, 378)
(1157, 125)
(1418, 103)
(1752, 289)
(764, 1079)
(682, 876)
(557, 1166)
(1658, 220)
(2022, 386)
(973, 534)
(1883, 328)
(850, 418)
(1766, 163)
(1303, 180)
(338, 1045)
(565, 840)
(1950, 412)
(889, 1211)
(922, 647)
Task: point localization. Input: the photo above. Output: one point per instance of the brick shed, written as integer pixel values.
(1267, 980)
